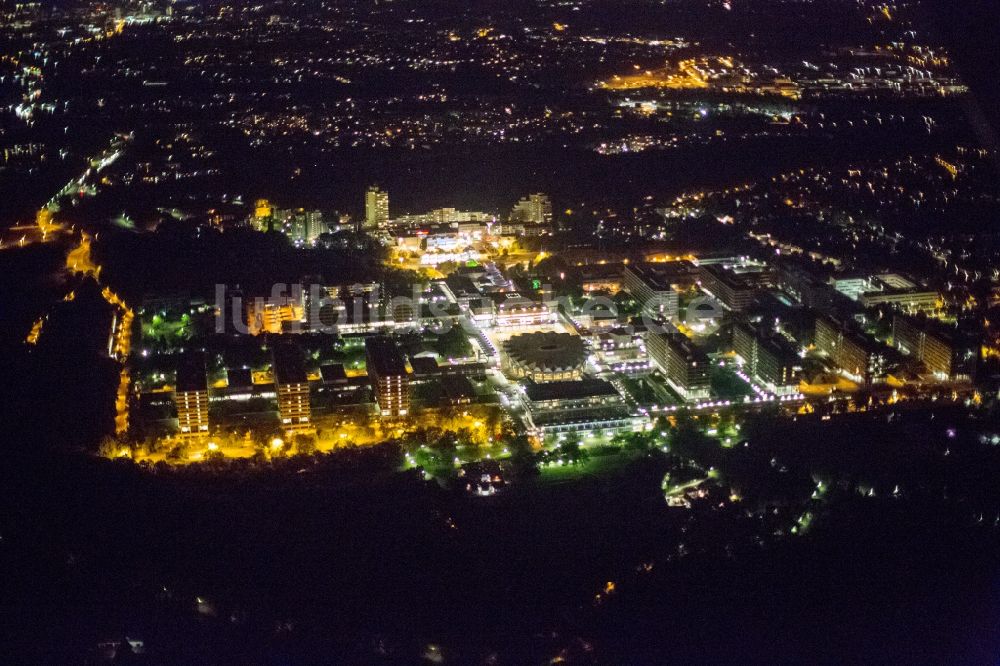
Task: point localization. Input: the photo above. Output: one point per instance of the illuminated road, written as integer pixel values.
(687, 77)
(47, 227)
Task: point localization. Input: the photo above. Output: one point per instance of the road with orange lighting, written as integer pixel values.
(687, 76)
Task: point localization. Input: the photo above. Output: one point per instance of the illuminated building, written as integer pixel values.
(270, 316)
(594, 317)
(346, 310)
(313, 225)
(602, 278)
(887, 289)
(894, 289)
(263, 215)
(653, 287)
(512, 309)
(684, 366)
(731, 289)
(450, 216)
(292, 388)
(851, 286)
(302, 226)
(376, 208)
(619, 350)
(581, 405)
(533, 209)
(364, 309)
(450, 238)
(389, 377)
(767, 358)
(861, 358)
(946, 352)
(191, 396)
(805, 287)
(544, 357)
(908, 300)
(780, 85)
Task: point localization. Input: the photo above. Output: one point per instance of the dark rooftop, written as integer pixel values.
(289, 367)
(569, 390)
(424, 365)
(191, 373)
(239, 377)
(660, 276)
(457, 387)
(333, 373)
(384, 357)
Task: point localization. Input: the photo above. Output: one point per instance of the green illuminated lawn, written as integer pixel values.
(592, 466)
